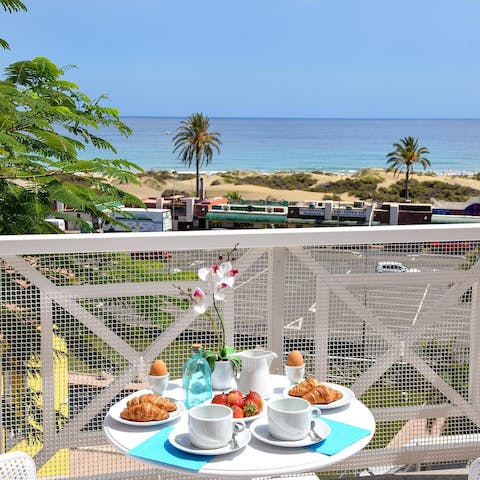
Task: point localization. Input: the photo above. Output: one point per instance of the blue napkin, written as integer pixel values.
(159, 449)
(341, 436)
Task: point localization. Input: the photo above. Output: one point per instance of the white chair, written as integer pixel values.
(17, 466)
(474, 470)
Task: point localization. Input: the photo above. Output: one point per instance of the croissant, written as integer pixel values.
(303, 387)
(160, 402)
(133, 402)
(322, 394)
(144, 412)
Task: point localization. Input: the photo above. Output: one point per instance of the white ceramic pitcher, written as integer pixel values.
(255, 372)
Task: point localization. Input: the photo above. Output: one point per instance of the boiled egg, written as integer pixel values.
(295, 359)
(158, 368)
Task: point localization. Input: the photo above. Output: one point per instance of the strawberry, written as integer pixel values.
(250, 409)
(256, 398)
(235, 398)
(220, 398)
(237, 411)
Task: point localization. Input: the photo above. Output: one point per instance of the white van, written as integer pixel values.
(395, 267)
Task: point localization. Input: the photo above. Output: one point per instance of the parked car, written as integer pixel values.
(393, 267)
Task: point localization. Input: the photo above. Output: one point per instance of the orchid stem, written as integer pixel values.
(221, 339)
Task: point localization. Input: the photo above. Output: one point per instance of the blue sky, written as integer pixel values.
(262, 58)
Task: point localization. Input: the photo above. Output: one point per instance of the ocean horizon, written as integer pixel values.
(334, 145)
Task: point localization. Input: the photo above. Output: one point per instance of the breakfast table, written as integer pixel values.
(347, 429)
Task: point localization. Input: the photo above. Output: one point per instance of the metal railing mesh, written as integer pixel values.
(79, 331)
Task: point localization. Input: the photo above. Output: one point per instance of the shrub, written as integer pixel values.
(335, 197)
(423, 192)
(216, 182)
(362, 185)
(170, 193)
(295, 181)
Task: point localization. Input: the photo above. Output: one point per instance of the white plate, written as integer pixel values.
(178, 437)
(259, 429)
(347, 396)
(118, 407)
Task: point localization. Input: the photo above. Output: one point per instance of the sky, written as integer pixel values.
(261, 58)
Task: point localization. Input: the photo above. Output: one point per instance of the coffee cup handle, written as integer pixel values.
(316, 412)
(239, 426)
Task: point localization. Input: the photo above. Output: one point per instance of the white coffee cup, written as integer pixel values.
(211, 425)
(158, 383)
(295, 374)
(289, 418)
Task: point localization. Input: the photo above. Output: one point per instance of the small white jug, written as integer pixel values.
(255, 372)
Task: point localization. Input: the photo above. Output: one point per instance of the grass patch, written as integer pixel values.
(382, 397)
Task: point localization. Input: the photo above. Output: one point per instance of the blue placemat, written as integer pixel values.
(341, 436)
(159, 449)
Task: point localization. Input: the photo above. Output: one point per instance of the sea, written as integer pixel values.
(340, 146)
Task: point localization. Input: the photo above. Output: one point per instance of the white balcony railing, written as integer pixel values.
(82, 317)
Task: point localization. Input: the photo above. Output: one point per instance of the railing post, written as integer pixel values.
(474, 360)
(47, 375)
(276, 292)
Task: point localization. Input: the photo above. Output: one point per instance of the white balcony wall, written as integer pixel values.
(408, 344)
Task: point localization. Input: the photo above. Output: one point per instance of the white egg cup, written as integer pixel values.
(158, 383)
(295, 374)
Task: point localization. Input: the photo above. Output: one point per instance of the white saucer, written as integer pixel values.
(178, 437)
(118, 407)
(347, 396)
(259, 429)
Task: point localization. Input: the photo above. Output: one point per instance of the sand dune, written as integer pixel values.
(151, 187)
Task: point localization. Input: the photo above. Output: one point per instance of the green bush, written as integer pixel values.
(295, 181)
(423, 192)
(169, 193)
(216, 182)
(362, 185)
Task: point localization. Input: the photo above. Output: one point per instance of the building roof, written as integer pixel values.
(241, 217)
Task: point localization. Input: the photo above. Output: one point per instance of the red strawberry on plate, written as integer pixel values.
(235, 398)
(237, 411)
(250, 409)
(220, 398)
(255, 398)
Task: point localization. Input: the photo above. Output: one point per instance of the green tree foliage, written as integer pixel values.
(234, 196)
(195, 143)
(10, 6)
(406, 154)
(45, 121)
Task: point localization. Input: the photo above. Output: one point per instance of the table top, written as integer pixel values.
(256, 459)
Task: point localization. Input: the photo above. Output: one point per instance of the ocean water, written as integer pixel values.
(331, 145)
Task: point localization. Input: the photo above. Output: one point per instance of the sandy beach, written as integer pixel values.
(217, 187)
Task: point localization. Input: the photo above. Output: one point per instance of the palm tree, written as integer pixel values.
(406, 154)
(196, 143)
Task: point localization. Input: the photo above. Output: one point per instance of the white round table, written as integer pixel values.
(256, 459)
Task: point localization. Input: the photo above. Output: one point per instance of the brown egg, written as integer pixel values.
(158, 368)
(295, 359)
